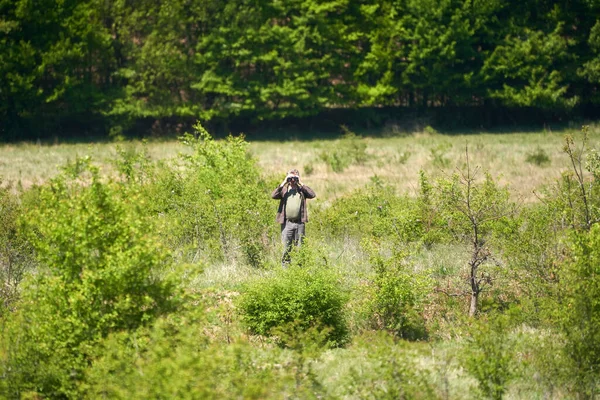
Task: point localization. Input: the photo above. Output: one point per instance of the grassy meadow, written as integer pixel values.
(524, 161)
(392, 258)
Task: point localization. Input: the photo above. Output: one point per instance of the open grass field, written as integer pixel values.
(524, 161)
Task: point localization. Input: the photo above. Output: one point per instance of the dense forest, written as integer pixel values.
(112, 67)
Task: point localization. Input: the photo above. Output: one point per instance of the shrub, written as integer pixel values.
(474, 211)
(398, 297)
(175, 358)
(488, 356)
(378, 366)
(539, 157)
(373, 211)
(16, 254)
(297, 298)
(213, 199)
(581, 310)
(574, 198)
(101, 272)
(349, 150)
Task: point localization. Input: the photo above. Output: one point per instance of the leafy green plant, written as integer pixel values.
(580, 287)
(303, 296)
(488, 356)
(538, 157)
(134, 165)
(474, 211)
(381, 367)
(176, 358)
(16, 254)
(349, 150)
(101, 271)
(213, 200)
(398, 297)
(372, 211)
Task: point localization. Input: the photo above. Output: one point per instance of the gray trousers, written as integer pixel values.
(291, 234)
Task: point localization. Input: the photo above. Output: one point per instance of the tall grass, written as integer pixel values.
(394, 159)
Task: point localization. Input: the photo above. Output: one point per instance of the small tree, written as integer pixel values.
(471, 209)
(578, 190)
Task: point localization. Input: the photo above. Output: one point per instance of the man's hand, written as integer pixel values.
(286, 179)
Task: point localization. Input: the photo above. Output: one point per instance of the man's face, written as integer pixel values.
(293, 179)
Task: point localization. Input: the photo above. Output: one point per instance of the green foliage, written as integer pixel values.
(215, 200)
(177, 359)
(591, 69)
(134, 166)
(381, 367)
(488, 356)
(474, 211)
(533, 247)
(349, 150)
(306, 295)
(545, 368)
(581, 310)
(574, 198)
(399, 296)
(111, 67)
(101, 271)
(373, 211)
(56, 65)
(528, 67)
(16, 254)
(464, 201)
(539, 157)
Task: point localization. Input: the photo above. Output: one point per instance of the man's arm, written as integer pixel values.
(277, 193)
(308, 192)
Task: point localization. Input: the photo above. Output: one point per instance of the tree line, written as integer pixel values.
(109, 66)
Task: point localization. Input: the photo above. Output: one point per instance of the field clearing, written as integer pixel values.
(396, 160)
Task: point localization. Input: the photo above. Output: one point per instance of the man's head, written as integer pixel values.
(293, 177)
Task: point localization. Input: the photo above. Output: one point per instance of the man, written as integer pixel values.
(292, 213)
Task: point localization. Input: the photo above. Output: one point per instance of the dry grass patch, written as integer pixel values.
(396, 160)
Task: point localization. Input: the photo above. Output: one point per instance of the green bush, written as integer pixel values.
(101, 271)
(296, 298)
(213, 200)
(373, 211)
(378, 366)
(16, 254)
(488, 355)
(349, 150)
(398, 296)
(177, 358)
(581, 310)
(539, 157)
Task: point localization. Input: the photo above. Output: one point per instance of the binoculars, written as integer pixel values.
(292, 179)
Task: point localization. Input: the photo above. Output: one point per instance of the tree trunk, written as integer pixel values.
(473, 307)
